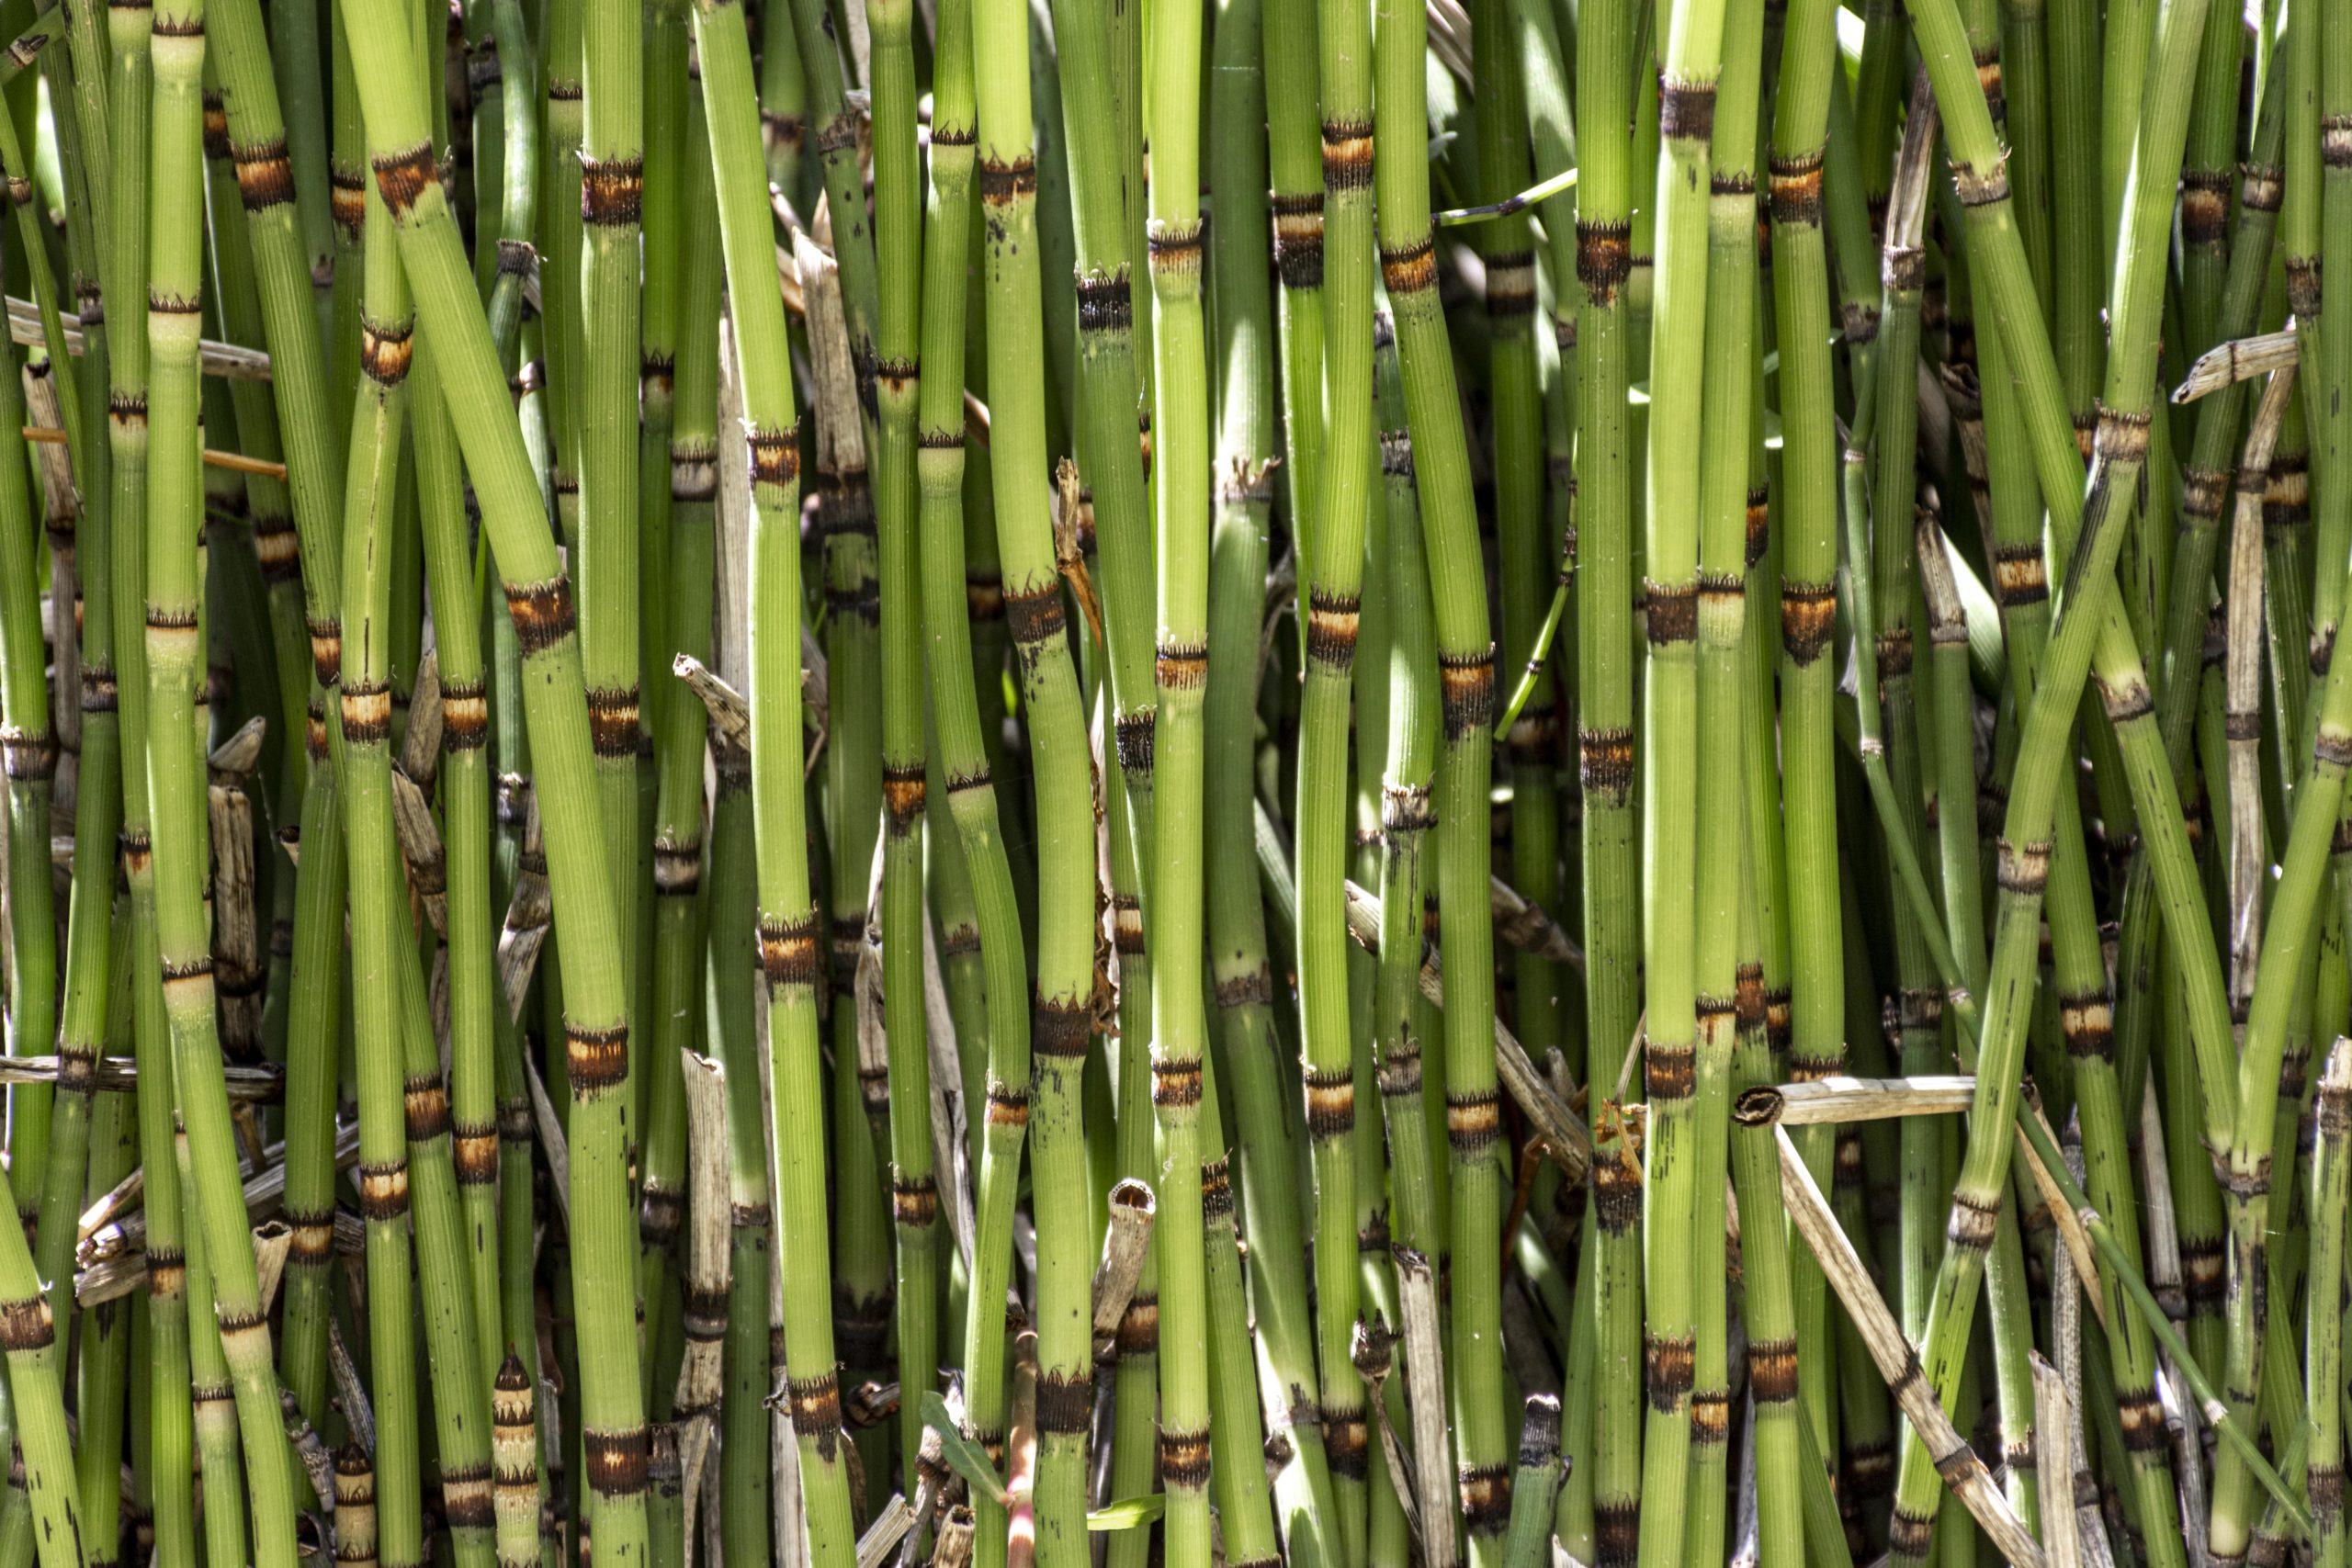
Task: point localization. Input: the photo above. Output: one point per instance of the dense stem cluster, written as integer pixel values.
(835, 781)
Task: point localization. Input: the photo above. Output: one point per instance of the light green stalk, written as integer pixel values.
(668, 974)
(127, 103)
(1249, 1051)
(1333, 562)
(1605, 569)
(1808, 547)
(730, 906)
(28, 756)
(174, 762)
(956, 713)
(1724, 860)
(1063, 812)
(1998, 269)
(106, 1337)
(29, 759)
(606, 571)
(216, 1410)
(1616, 1258)
(379, 415)
(1179, 1026)
(613, 1438)
(1669, 804)
(1292, 53)
(787, 926)
(899, 250)
(1112, 430)
(1465, 671)
(472, 1132)
(312, 441)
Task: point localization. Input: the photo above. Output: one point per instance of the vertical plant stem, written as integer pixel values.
(613, 1436)
(1333, 563)
(898, 252)
(787, 930)
(1065, 983)
(175, 778)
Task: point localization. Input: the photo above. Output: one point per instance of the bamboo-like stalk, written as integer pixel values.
(732, 905)
(378, 420)
(472, 1132)
(273, 543)
(37, 1411)
(607, 569)
(1774, 1363)
(28, 748)
(786, 925)
(1063, 816)
(668, 976)
(106, 1348)
(1466, 668)
(958, 715)
(1884, 583)
(28, 759)
(30, 745)
(561, 241)
(1245, 1518)
(1292, 50)
(1334, 563)
(1724, 861)
(216, 1411)
(1693, 55)
(122, 124)
(1110, 377)
(1605, 532)
(1115, 470)
(898, 252)
(312, 441)
(845, 519)
(1246, 351)
(595, 1011)
(1388, 1521)
(174, 765)
(1616, 1258)
(1405, 819)
(1969, 134)
(1538, 1479)
(1175, 917)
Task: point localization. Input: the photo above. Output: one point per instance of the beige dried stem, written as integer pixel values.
(1126, 1243)
(2240, 359)
(1956, 1463)
(1838, 1099)
(420, 838)
(421, 743)
(2053, 1440)
(699, 1372)
(528, 912)
(1372, 1349)
(1424, 1333)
